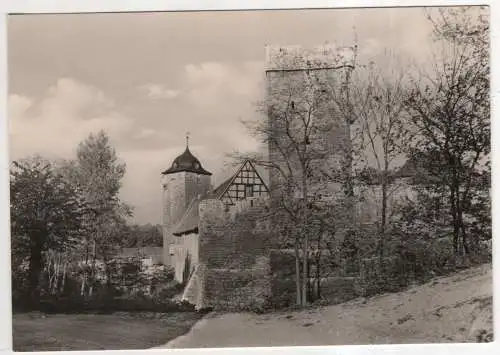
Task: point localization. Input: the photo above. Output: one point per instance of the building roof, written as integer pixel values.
(219, 190)
(186, 162)
(245, 175)
(414, 168)
(189, 221)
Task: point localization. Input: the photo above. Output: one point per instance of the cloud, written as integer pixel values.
(218, 95)
(142, 182)
(215, 95)
(67, 113)
(215, 83)
(144, 133)
(158, 91)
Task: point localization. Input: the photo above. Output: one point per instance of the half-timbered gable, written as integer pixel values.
(245, 183)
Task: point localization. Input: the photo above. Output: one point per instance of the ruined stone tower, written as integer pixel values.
(309, 83)
(185, 181)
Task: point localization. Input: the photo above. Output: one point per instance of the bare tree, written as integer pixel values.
(382, 133)
(299, 117)
(450, 106)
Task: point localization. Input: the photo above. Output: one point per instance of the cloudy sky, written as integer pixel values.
(148, 78)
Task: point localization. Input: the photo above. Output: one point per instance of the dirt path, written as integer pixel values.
(452, 309)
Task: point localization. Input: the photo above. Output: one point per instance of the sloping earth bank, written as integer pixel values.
(457, 308)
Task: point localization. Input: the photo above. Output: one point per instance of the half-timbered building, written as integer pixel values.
(185, 184)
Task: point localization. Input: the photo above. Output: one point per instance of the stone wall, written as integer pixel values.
(335, 285)
(297, 57)
(368, 207)
(240, 266)
(234, 248)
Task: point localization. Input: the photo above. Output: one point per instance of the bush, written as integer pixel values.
(104, 302)
(132, 296)
(142, 303)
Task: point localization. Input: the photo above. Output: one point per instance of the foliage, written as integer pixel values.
(419, 244)
(141, 235)
(381, 132)
(450, 107)
(67, 222)
(46, 213)
(98, 172)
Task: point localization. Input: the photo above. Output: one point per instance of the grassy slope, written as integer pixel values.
(457, 308)
(36, 332)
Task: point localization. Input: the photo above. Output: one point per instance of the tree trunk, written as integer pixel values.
(305, 268)
(93, 272)
(84, 279)
(63, 281)
(57, 270)
(48, 269)
(348, 158)
(464, 239)
(460, 220)
(35, 268)
(305, 237)
(318, 276)
(318, 265)
(383, 217)
(85, 272)
(456, 226)
(298, 283)
(305, 255)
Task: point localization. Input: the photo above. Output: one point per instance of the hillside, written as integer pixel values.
(457, 308)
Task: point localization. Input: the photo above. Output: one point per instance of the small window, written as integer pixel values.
(249, 191)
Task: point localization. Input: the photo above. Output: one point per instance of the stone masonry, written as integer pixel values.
(233, 265)
(237, 263)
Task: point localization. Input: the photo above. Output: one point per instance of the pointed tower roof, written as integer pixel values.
(186, 162)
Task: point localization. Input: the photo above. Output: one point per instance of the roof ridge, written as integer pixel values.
(233, 177)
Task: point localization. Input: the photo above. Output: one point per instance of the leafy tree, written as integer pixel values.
(450, 107)
(98, 172)
(46, 213)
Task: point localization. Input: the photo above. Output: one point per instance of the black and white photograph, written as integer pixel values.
(250, 178)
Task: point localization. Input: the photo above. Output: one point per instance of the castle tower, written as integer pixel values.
(300, 79)
(183, 182)
(306, 84)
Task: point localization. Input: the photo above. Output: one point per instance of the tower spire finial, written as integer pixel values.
(187, 139)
